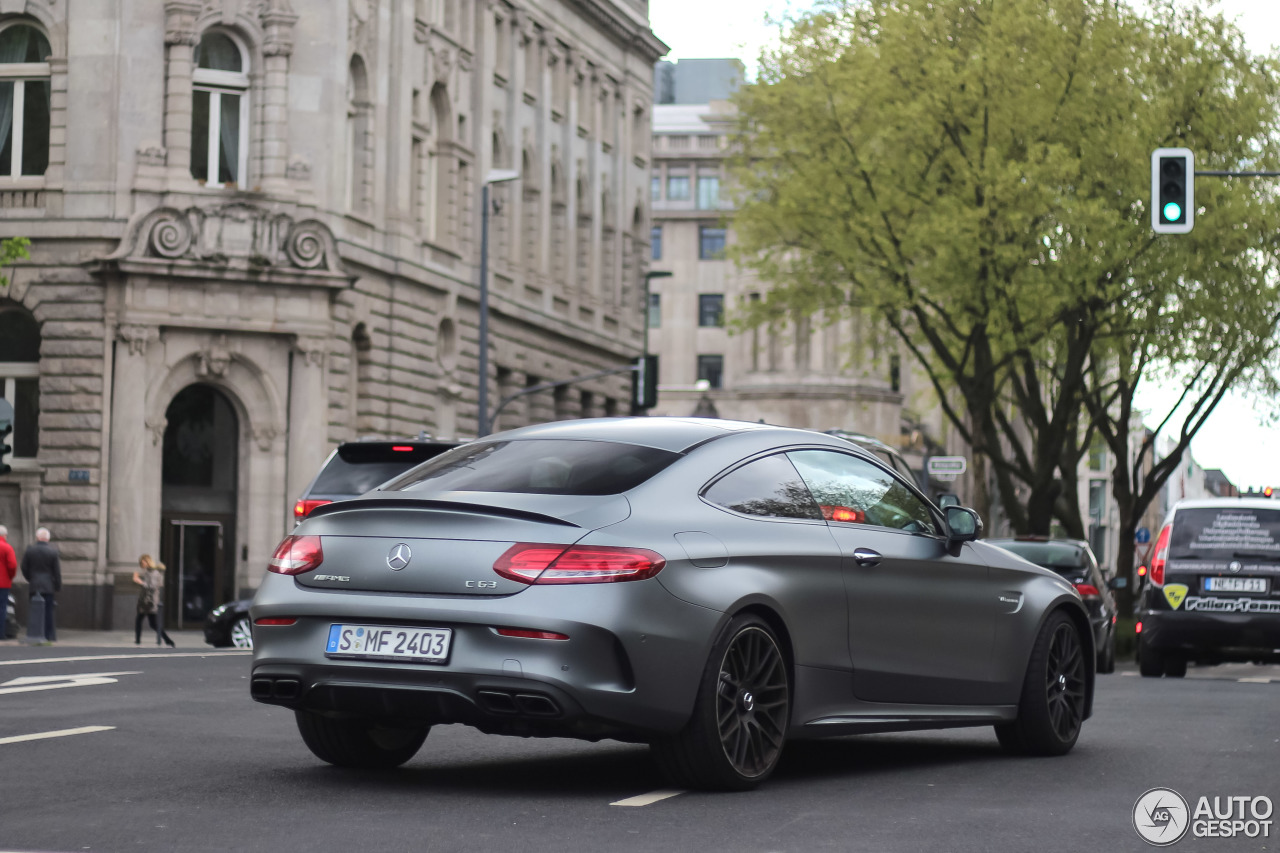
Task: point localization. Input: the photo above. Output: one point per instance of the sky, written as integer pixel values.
(1238, 437)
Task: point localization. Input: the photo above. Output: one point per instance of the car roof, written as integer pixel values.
(1227, 503)
(675, 434)
(1046, 540)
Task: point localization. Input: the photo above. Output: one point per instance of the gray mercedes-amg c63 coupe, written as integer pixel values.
(712, 588)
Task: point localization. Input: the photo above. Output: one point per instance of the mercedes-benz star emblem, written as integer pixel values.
(399, 557)
(1234, 566)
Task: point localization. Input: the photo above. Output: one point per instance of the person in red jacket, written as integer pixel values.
(8, 568)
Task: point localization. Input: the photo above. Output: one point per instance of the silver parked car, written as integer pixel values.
(709, 587)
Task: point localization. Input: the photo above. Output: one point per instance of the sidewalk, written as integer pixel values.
(192, 640)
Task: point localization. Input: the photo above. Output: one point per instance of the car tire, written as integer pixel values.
(358, 742)
(740, 716)
(1175, 666)
(1054, 693)
(241, 633)
(1150, 662)
(1107, 660)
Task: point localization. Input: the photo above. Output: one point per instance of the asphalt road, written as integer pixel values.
(185, 761)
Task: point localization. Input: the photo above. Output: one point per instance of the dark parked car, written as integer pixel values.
(712, 588)
(358, 466)
(229, 625)
(1213, 592)
(1075, 561)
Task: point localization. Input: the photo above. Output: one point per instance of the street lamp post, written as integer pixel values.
(495, 176)
(648, 277)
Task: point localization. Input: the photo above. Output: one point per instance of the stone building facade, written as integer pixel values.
(846, 374)
(255, 233)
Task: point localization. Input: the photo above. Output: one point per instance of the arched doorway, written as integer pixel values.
(198, 503)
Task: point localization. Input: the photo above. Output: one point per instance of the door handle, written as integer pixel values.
(866, 557)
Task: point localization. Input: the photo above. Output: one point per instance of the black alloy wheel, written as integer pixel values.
(359, 742)
(1064, 684)
(752, 702)
(1054, 693)
(735, 737)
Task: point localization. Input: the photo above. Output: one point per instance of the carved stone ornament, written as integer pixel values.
(180, 22)
(214, 361)
(441, 64)
(312, 350)
(299, 168)
(152, 155)
(265, 436)
(229, 235)
(156, 428)
(138, 337)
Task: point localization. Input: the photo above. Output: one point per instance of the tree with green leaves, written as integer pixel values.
(12, 249)
(974, 174)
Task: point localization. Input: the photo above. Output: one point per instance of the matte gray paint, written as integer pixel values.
(918, 641)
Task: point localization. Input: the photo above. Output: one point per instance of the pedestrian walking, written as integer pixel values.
(8, 568)
(43, 570)
(150, 577)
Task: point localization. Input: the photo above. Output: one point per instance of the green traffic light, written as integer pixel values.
(1172, 211)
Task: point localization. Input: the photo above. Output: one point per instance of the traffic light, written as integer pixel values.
(644, 383)
(1172, 190)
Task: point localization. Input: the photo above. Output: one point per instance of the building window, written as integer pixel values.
(711, 370)
(24, 101)
(895, 373)
(359, 139)
(655, 188)
(1098, 454)
(710, 243)
(710, 309)
(655, 310)
(220, 111)
(655, 242)
(708, 192)
(20, 376)
(678, 188)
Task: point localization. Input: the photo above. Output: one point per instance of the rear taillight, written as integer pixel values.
(296, 555)
(303, 508)
(1161, 554)
(533, 563)
(276, 621)
(1137, 628)
(1088, 590)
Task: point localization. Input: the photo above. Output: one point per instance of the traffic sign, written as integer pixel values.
(1142, 536)
(946, 468)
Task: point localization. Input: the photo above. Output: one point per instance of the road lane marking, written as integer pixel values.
(1254, 680)
(648, 799)
(30, 683)
(84, 730)
(123, 657)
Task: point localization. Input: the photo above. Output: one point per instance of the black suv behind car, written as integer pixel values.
(1213, 591)
(357, 467)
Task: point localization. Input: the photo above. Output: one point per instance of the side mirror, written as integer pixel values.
(1118, 583)
(947, 499)
(963, 524)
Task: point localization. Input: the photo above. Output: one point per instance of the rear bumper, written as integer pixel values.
(629, 669)
(1213, 636)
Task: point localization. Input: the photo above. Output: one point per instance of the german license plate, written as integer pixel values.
(1235, 585)
(385, 642)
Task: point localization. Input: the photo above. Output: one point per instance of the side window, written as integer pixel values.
(853, 490)
(768, 487)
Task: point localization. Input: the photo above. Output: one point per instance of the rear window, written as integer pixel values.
(361, 467)
(1062, 557)
(538, 466)
(1225, 533)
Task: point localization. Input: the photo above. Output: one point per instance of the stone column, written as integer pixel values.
(133, 526)
(277, 47)
(308, 413)
(180, 38)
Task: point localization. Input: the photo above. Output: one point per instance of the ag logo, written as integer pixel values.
(1161, 817)
(1174, 593)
